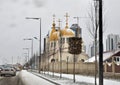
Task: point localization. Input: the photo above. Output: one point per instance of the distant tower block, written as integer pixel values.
(76, 28)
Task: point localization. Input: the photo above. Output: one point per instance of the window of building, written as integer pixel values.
(51, 44)
(63, 40)
(67, 39)
(117, 59)
(54, 44)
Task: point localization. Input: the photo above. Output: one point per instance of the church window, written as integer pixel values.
(51, 44)
(63, 40)
(54, 44)
(67, 39)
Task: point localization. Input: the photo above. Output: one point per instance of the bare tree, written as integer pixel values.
(93, 26)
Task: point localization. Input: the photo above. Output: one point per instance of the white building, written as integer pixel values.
(92, 49)
(112, 42)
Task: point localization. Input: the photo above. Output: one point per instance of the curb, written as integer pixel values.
(51, 81)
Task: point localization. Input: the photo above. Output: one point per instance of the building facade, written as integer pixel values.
(92, 49)
(112, 42)
(57, 43)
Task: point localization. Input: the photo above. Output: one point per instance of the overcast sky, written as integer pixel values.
(14, 27)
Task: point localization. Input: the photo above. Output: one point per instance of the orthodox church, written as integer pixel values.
(56, 43)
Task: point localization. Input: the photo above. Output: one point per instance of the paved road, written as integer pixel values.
(10, 80)
(24, 78)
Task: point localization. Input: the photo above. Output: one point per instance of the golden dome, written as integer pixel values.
(54, 35)
(67, 32)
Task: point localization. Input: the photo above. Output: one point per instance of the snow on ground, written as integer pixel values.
(30, 79)
(63, 80)
(67, 79)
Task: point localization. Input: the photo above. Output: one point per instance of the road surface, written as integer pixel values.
(10, 80)
(24, 78)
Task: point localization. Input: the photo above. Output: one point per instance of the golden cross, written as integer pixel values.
(67, 19)
(59, 22)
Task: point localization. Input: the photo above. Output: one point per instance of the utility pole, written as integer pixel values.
(100, 44)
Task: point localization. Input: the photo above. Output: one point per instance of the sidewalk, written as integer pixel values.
(67, 79)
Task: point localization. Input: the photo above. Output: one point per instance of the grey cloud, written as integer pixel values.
(12, 25)
(15, 0)
(26, 2)
(1, 2)
(39, 3)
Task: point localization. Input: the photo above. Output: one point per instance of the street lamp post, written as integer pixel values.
(28, 54)
(31, 46)
(26, 60)
(39, 43)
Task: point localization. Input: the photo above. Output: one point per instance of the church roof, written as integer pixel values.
(55, 33)
(67, 32)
